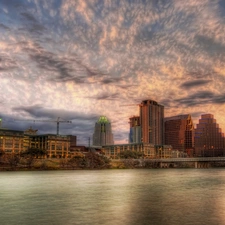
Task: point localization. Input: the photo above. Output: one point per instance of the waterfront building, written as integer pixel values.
(146, 150)
(56, 146)
(103, 132)
(11, 141)
(152, 122)
(163, 151)
(113, 151)
(179, 132)
(27, 138)
(135, 130)
(16, 142)
(209, 139)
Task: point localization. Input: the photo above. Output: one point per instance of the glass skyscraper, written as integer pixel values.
(103, 132)
(135, 130)
(179, 132)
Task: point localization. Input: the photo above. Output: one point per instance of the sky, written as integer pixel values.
(78, 60)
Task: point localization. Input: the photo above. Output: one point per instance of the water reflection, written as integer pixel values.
(113, 197)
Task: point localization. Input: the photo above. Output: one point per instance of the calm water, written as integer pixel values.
(161, 196)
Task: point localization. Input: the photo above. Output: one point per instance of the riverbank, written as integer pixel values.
(66, 164)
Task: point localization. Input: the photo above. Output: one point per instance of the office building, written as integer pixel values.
(135, 130)
(209, 139)
(114, 151)
(152, 122)
(145, 150)
(11, 141)
(56, 146)
(179, 132)
(103, 132)
(16, 142)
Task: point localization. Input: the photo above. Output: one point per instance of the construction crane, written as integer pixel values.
(54, 121)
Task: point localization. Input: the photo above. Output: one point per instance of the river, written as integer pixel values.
(113, 197)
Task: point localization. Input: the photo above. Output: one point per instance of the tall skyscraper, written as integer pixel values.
(209, 139)
(179, 132)
(103, 132)
(135, 130)
(152, 122)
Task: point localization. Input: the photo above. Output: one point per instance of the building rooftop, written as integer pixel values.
(103, 119)
(10, 130)
(178, 117)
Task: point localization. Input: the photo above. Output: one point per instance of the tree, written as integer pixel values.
(96, 161)
(77, 162)
(64, 162)
(128, 154)
(31, 154)
(130, 163)
(35, 152)
(90, 161)
(30, 160)
(1, 153)
(13, 160)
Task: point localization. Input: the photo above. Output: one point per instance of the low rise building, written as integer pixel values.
(163, 151)
(56, 146)
(113, 151)
(11, 141)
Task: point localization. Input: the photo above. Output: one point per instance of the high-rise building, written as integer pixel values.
(179, 132)
(103, 132)
(152, 122)
(135, 130)
(209, 139)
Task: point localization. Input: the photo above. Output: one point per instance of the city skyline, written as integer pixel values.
(78, 60)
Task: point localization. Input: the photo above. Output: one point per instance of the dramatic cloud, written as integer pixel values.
(195, 83)
(201, 98)
(78, 60)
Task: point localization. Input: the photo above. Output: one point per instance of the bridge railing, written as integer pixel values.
(196, 159)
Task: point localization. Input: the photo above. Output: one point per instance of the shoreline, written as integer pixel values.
(58, 164)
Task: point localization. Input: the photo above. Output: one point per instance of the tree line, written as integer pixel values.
(36, 158)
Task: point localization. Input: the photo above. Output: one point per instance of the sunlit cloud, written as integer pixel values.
(90, 57)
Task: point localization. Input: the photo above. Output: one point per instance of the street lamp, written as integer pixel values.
(213, 150)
